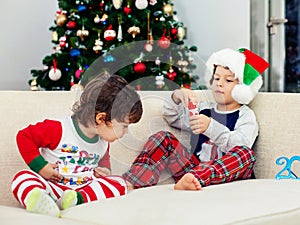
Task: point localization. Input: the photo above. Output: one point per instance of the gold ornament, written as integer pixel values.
(168, 9)
(98, 44)
(82, 33)
(134, 31)
(181, 33)
(33, 85)
(54, 36)
(61, 19)
(97, 19)
(117, 3)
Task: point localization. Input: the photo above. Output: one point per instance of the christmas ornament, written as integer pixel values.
(78, 73)
(72, 81)
(71, 24)
(33, 85)
(159, 81)
(101, 5)
(180, 33)
(171, 73)
(54, 36)
(109, 34)
(162, 19)
(98, 44)
(174, 31)
(127, 10)
(117, 3)
(63, 42)
(141, 4)
(164, 42)
(157, 61)
(75, 52)
(148, 47)
(182, 64)
(61, 18)
(152, 2)
(187, 86)
(97, 19)
(81, 8)
(139, 67)
(76, 87)
(168, 9)
(120, 33)
(103, 19)
(82, 33)
(134, 31)
(54, 73)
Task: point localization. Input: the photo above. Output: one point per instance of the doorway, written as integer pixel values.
(275, 35)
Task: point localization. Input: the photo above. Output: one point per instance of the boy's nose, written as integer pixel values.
(220, 83)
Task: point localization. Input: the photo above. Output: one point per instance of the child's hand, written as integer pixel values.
(199, 123)
(185, 96)
(50, 173)
(101, 171)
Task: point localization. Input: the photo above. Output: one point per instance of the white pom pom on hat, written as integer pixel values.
(247, 68)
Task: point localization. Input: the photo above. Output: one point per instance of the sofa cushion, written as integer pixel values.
(263, 201)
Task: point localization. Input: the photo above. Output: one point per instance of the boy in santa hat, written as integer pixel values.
(222, 132)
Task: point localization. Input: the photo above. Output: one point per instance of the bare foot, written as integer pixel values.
(188, 182)
(129, 185)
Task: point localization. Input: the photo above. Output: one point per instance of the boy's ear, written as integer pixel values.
(100, 117)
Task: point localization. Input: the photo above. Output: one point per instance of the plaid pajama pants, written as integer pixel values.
(164, 151)
(100, 188)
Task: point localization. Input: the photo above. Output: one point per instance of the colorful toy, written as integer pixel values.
(286, 172)
(193, 109)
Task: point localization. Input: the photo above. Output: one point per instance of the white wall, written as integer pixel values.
(26, 39)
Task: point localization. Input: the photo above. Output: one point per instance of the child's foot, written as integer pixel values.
(67, 200)
(129, 185)
(40, 202)
(188, 182)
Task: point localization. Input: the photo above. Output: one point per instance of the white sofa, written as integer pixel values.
(264, 200)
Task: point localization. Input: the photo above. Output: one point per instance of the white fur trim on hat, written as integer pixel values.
(244, 94)
(232, 59)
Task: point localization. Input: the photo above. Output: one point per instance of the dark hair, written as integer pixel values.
(110, 94)
(214, 70)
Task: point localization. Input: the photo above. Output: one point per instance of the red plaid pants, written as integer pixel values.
(164, 151)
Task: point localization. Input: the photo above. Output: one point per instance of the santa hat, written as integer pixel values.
(247, 68)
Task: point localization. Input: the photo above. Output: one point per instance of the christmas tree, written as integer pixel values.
(133, 38)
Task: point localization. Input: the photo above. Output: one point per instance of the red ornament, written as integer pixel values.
(174, 31)
(139, 67)
(71, 24)
(78, 73)
(127, 10)
(164, 42)
(101, 5)
(109, 34)
(171, 74)
(187, 86)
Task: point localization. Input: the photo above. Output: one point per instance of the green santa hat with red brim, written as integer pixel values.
(247, 68)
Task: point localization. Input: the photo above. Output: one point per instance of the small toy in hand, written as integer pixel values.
(193, 109)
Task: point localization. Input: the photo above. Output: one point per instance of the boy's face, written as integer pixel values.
(113, 130)
(222, 85)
